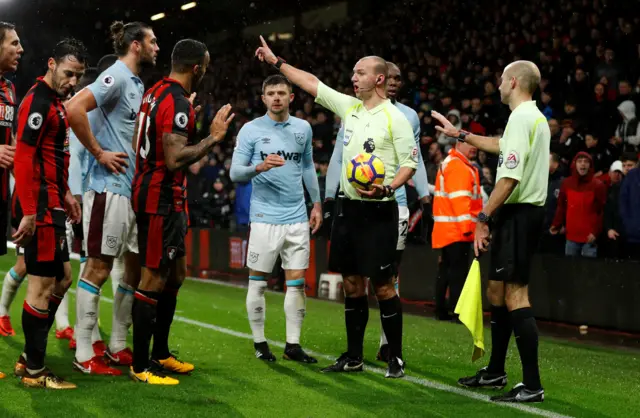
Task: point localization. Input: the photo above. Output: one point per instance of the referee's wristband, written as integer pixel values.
(279, 63)
(462, 135)
(388, 191)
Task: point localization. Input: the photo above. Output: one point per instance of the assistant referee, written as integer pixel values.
(515, 213)
(365, 228)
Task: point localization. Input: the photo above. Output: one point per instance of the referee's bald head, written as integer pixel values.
(526, 74)
(369, 74)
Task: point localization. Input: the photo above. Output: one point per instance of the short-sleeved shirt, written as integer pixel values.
(383, 131)
(8, 118)
(524, 154)
(277, 195)
(165, 110)
(118, 94)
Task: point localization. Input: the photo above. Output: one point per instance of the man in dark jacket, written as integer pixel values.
(612, 223)
(580, 208)
(629, 204)
(552, 244)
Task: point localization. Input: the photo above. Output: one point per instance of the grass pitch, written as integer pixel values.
(211, 330)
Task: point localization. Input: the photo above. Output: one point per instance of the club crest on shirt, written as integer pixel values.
(253, 257)
(111, 241)
(513, 159)
(35, 121)
(181, 120)
(108, 80)
(369, 146)
(299, 137)
(414, 154)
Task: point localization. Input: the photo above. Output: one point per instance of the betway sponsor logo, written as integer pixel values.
(288, 156)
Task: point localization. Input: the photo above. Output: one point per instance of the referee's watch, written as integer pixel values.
(462, 135)
(484, 218)
(279, 63)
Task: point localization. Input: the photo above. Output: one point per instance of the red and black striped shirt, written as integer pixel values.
(165, 109)
(8, 116)
(42, 155)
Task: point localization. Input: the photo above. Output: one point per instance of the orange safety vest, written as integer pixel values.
(457, 201)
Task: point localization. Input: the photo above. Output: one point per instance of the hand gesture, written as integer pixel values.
(447, 128)
(315, 219)
(591, 239)
(220, 123)
(613, 234)
(6, 156)
(114, 161)
(74, 211)
(192, 98)
(25, 231)
(482, 238)
(265, 54)
(272, 161)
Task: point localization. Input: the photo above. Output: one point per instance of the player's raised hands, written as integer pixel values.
(221, 122)
(272, 161)
(6, 155)
(265, 54)
(116, 162)
(447, 128)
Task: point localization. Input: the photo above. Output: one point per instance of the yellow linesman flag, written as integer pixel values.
(469, 309)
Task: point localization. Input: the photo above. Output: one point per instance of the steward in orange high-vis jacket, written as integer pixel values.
(456, 204)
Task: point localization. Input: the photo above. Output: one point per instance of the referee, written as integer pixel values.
(515, 212)
(365, 229)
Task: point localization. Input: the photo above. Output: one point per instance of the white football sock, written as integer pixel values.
(87, 300)
(256, 308)
(62, 314)
(10, 286)
(122, 309)
(117, 274)
(295, 302)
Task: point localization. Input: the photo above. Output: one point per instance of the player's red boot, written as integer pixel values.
(96, 365)
(72, 344)
(99, 347)
(121, 358)
(65, 334)
(6, 330)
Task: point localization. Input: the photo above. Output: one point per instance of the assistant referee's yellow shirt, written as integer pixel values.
(383, 131)
(524, 154)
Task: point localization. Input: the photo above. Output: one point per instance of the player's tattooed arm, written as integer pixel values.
(178, 155)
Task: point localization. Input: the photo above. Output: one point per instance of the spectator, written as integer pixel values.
(628, 131)
(220, 205)
(580, 207)
(629, 213)
(601, 156)
(242, 205)
(448, 142)
(549, 243)
(612, 223)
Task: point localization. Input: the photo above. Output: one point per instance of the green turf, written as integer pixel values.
(580, 380)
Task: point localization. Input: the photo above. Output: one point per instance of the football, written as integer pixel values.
(364, 170)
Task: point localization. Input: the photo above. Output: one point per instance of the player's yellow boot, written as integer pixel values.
(152, 377)
(173, 365)
(45, 379)
(2, 375)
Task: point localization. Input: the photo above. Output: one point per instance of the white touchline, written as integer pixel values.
(420, 381)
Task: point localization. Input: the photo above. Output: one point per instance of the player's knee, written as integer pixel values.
(516, 297)
(96, 271)
(295, 283)
(151, 280)
(20, 268)
(385, 291)
(353, 286)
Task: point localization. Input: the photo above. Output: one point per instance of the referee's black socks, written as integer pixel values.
(391, 316)
(501, 329)
(356, 316)
(526, 332)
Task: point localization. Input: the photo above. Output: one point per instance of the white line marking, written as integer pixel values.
(419, 381)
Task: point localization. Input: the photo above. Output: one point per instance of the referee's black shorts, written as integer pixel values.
(364, 237)
(515, 235)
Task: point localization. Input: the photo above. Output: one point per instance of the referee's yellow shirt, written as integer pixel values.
(524, 154)
(383, 131)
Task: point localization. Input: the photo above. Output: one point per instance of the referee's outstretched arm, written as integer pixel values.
(484, 143)
(306, 81)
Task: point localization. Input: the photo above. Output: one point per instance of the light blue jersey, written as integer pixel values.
(118, 93)
(277, 196)
(419, 178)
(81, 161)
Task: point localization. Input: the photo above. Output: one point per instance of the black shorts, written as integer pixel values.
(161, 238)
(364, 237)
(4, 226)
(47, 252)
(515, 235)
